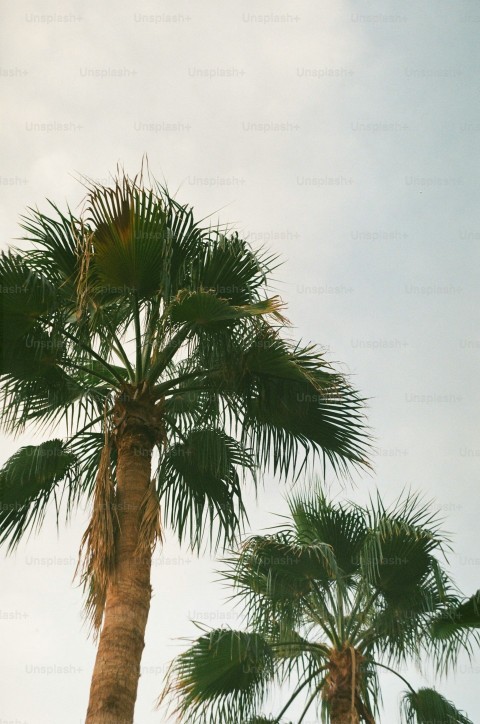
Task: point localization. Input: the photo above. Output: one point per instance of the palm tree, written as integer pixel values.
(337, 594)
(146, 345)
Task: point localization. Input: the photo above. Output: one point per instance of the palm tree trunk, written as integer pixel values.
(116, 673)
(344, 715)
(343, 686)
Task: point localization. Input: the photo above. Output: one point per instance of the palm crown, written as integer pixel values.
(338, 593)
(133, 328)
(137, 301)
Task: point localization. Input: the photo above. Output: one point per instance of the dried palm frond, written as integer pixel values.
(97, 549)
(150, 525)
(84, 254)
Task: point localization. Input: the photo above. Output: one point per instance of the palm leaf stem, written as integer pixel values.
(166, 356)
(118, 348)
(164, 386)
(90, 371)
(331, 633)
(88, 350)
(325, 611)
(311, 700)
(138, 337)
(340, 614)
(90, 424)
(353, 633)
(150, 334)
(297, 692)
(304, 645)
(384, 666)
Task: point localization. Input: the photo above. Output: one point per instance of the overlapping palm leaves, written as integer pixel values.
(132, 295)
(336, 595)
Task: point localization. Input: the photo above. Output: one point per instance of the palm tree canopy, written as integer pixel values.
(135, 300)
(338, 588)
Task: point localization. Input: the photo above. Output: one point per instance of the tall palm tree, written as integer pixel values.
(335, 595)
(139, 337)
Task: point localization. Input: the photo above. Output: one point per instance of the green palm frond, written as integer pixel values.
(230, 268)
(186, 409)
(222, 677)
(87, 447)
(413, 510)
(206, 309)
(296, 418)
(446, 650)
(187, 242)
(145, 242)
(199, 480)
(28, 481)
(62, 255)
(288, 401)
(26, 296)
(48, 399)
(342, 528)
(274, 577)
(427, 705)
(399, 630)
(45, 376)
(55, 248)
(398, 554)
(460, 615)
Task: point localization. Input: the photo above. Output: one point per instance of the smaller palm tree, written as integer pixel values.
(337, 594)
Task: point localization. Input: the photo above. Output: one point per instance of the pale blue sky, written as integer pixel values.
(345, 137)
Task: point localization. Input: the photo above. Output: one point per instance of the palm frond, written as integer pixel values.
(222, 677)
(460, 615)
(29, 481)
(427, 705)
(342, 528)
(87, 446)
(230, 268)
(398, 629)
(145, 242)
(446, 651)
(55, 249)
(398, 555)
(206, 309)
(274, 576)
(287, 400)
(26, 296)
(199, 481)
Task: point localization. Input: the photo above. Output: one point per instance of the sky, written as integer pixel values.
(344, 137)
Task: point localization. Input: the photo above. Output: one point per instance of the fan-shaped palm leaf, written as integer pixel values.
(427, 705)
(28, 481)
(222, 677)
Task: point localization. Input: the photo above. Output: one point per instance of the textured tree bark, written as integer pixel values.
(344, 717)
(117, 666)
(343, 687)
